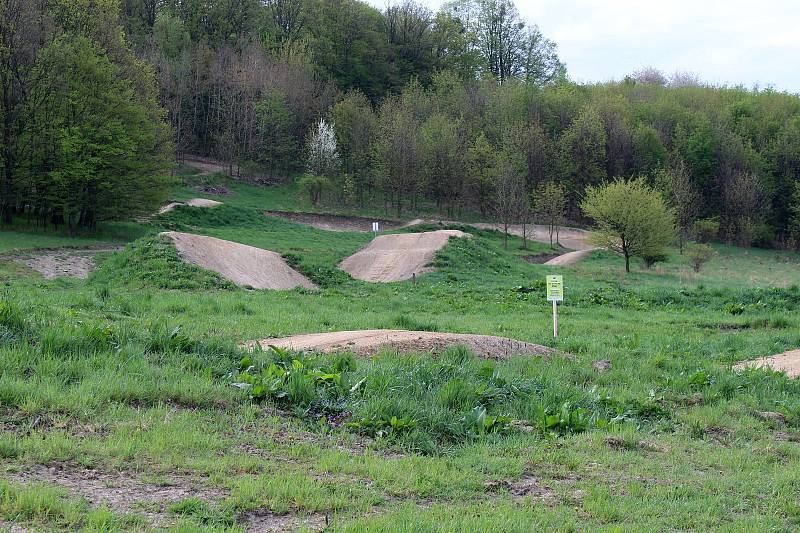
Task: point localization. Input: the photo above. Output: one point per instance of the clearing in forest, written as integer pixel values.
(242, 264)
(397, 257)
(371, 341)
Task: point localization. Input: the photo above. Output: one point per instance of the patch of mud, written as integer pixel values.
(788, 362)
(370, 342)
(120, 491)
(397, 257)
(61, 262)
(528, 486)
(242, 264)
(337, 222)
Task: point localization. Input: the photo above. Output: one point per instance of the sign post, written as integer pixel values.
(555, 294)
(375, 227)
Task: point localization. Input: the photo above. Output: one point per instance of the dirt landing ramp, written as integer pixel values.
(788, 362)
(397, 257)
(194, 202)
(61, 262)
(371, 341)
(242, 264)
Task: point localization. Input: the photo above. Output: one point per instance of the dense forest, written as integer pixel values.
(468, 109)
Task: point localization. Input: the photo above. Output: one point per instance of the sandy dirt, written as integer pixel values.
(788, 362)
(242, 264)
(194, 202)
(397, 257)
(61, 262)
(370, 342)
(337, 222)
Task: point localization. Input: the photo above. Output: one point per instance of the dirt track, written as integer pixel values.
(337, 222)
(194, 202)
(242, 264)
(397, 257)
(61, 262)
(788, 362)
(370, 342)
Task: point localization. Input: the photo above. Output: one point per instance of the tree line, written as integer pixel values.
(468, 109)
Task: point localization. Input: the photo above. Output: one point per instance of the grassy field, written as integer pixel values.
(132, 383)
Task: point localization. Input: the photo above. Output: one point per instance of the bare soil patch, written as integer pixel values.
(788, 362)
(242, 264)
(370, 342)
(337, 222)
(208, 166)
(397, 257)
(61, 262)
(218, 190)
(540, 259)
(259, 522)
(120, 491)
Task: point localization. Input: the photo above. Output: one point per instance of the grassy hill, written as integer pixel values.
(125, 383)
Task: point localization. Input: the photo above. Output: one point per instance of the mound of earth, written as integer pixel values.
(242, 264)
(62, 262)
(370, 342)
(788, 362)
(337, 222)
(194, 202)
(397, 257)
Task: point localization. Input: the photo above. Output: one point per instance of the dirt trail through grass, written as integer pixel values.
(242, 264)
(194, 202)
(397, 257)
(788, 362)
(371, 341)
(61, 262)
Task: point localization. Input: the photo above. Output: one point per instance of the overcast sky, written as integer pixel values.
(725, 42)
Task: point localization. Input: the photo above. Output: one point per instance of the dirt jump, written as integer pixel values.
(194, 202)
(244, 265)
(788, 362)
(371, 341)
(571, 238)
(54, 263)
(397, 257)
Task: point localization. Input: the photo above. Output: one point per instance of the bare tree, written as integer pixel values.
(510, 197)
(686, 200)
(650, 76)
(550, 202)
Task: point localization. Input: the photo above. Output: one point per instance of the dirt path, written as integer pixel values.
(788, 362)
(370, 342)
(397, 257)
(337, 222)
(242, 264)
(194, 202)
(61, 262)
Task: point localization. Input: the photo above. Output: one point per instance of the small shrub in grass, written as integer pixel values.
(649, 260)
(705, 230)
(698, 255)
(733, 308)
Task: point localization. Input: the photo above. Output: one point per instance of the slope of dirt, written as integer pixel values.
(61, 262)
(337, 222)
(570, 258)
(370, 342)
(242, 264)
(397, 257)
(788, 362)
(194, 202)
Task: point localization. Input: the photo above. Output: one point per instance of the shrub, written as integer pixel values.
(651, 259)
(698, 255)
(314, 186)
(705, 230)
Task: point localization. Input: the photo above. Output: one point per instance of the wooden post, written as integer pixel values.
(555, 319)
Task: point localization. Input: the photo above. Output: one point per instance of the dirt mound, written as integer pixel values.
(242, 264)
(788, 362)
(397, 257)
(62, 262)
(370, 342)
(337, 222)
(194, 202)
(570, 258)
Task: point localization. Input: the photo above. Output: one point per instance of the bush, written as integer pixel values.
(705, 230)
(698, 255)
(314, 186)
(653, 258)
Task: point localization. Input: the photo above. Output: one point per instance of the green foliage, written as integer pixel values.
(314, 186)
(706, 230)
(632, 218)
(698, 255)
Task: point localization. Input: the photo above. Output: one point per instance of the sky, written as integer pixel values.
(733, 42)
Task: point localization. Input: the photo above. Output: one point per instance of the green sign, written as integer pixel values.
(555, 289)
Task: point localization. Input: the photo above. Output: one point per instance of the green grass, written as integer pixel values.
(133, 369)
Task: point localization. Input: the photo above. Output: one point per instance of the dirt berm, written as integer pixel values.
(194, 202)
(397, 257)
(788, 362)
(242, 264)
(371, 341)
